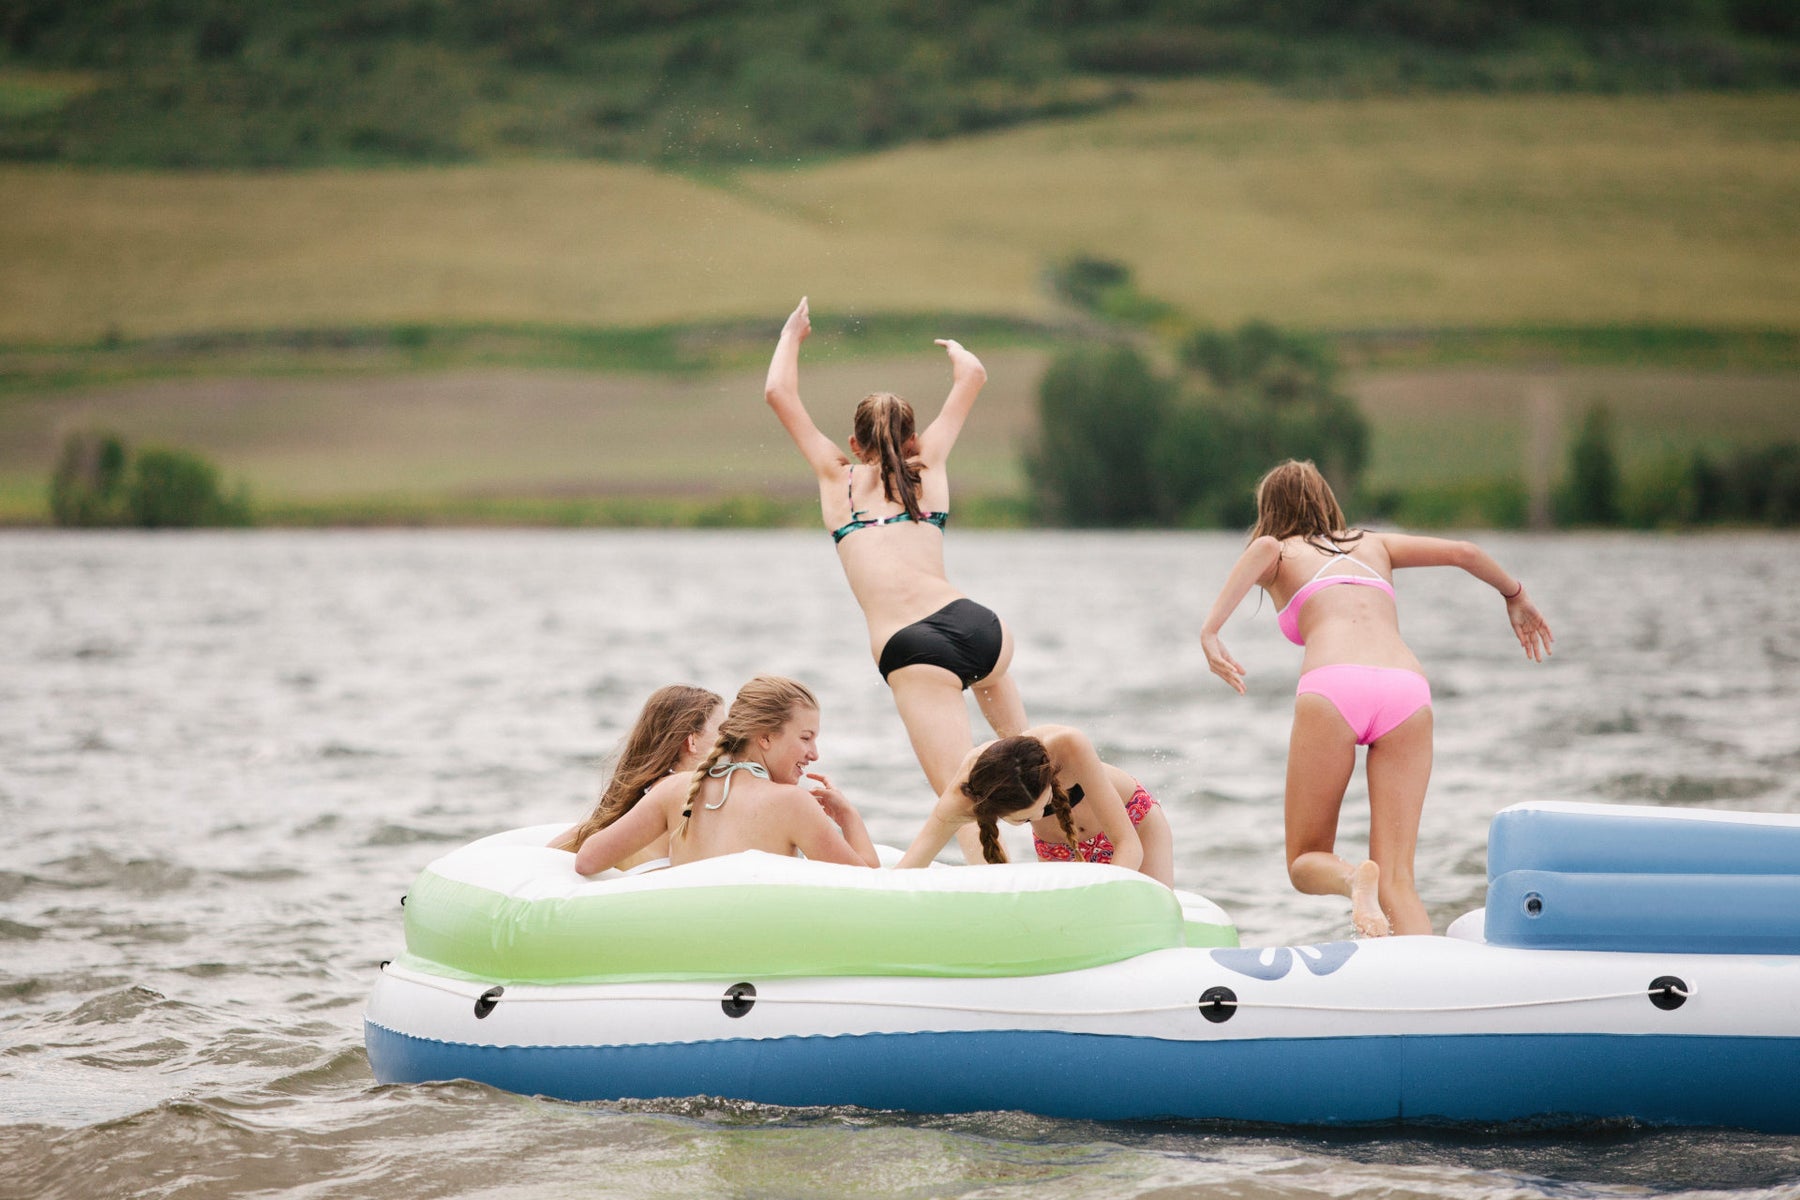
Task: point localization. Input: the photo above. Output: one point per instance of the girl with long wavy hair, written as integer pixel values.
(886, 504)
(673, 732)
(1360, 685)
(1080, 809)
(745, 793)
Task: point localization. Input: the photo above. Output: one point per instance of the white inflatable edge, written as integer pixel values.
(1653, 812)
(519, 863)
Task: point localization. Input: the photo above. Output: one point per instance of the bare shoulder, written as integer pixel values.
(1373, 548)
(791, 802)
(670, 789)
(1060, 740)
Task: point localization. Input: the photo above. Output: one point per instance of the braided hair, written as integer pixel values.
(761, 706)
(1009, 776)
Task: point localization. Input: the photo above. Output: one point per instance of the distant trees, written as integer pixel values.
(98, 482)
(194, 83)
(1100, 413)
(1122, 444)
(1751, 485)
(1591, 493)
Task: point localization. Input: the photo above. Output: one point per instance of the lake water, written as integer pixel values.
(223, 757)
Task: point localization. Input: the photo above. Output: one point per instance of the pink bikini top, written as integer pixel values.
(1289, 616)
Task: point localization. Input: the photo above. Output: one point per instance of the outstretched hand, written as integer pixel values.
(1529, 624)
(962, 363)
(799, 323)
(1221, 662)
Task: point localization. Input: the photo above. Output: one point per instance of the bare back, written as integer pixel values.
(1342, 624)
(896, 571)
(760, 814)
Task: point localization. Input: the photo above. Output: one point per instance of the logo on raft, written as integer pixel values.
(1274, 962)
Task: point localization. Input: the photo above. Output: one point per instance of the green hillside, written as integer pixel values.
(1230, 202)
(193, 83)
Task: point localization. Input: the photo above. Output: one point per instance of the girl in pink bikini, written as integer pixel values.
(1080, 809)
(1360, 685)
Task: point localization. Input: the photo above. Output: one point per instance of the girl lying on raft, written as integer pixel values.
(1079, 808)
(745, 794)
(676, 728)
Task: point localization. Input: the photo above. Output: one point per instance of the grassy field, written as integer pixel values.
(507, 433)
(547, 446)
(1230, 202)
(560, 333)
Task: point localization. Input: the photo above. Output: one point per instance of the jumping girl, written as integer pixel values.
(1360, 684)
(886, 506)
(1080, 809)
(746, 793)
(677, 726)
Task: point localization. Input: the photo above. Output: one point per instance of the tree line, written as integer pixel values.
(190, 83)
(100, 481)
(1124, 441)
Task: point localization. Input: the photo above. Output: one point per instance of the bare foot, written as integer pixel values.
(1365, 901)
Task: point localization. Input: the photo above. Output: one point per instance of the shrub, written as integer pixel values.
(1100, 413)
(1591, 494)
(88, 486)
(1121, 445)
(1252, 398)
(99, 482)
(179, 489)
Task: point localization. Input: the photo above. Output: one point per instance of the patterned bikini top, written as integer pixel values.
(858, 521)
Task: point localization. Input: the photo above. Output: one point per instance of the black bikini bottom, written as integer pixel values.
(962, 637)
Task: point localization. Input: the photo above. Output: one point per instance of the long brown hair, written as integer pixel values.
(761, 706)
(884, 424)
(1293, 500)
(650, 751)
(1008, 776)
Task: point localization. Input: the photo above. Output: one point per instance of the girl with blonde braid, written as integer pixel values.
(1080, 809)
(746, 794)
(886, 506)
(676, 728)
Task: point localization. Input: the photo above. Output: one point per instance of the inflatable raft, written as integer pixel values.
(1639, 963)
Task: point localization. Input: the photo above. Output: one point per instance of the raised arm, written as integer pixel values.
(967, 376)
(1528, 624)
(1074, 752)
(782, 391)
(951, 812)
(646, 821)
(1256, 565)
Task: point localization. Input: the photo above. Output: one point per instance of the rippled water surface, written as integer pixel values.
(224, 756)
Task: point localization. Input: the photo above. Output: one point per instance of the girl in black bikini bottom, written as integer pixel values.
(962, 637)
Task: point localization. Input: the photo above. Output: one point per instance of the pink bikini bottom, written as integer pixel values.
(1372, 700)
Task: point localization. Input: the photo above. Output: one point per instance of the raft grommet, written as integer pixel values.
(1668, 992)
(1534, 905)
(739, 999)
(484, 1003)
(1218, 1004)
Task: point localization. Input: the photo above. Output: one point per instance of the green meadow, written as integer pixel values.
(510, 337)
